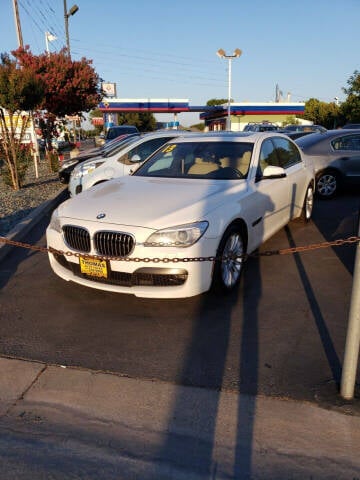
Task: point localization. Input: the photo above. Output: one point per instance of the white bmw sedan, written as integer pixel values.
(183, 223)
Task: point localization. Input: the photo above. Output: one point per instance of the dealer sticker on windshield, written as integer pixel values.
(169, 148)
(93, 267)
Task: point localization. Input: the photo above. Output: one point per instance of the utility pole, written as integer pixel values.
(17, 24)
(66, 18)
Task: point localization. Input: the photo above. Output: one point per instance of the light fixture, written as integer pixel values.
(222, 54)
(68, 14)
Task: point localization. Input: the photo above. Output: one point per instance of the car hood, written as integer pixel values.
(151, 202)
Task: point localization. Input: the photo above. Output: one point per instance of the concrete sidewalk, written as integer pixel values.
(107, 426)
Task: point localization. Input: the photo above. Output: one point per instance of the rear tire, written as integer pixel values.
(227, 272)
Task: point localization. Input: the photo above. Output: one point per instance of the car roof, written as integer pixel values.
(316, 138)
(166, 133)
(248, 137)
(133, 140)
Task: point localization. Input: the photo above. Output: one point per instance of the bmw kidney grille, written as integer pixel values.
(114, 244)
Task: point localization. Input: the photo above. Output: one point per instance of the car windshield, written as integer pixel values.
(119, 145)
(219, 160)
(267, 128)
(112, 143)
(121, 130)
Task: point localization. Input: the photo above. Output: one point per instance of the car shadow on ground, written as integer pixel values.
(206, 358)
(338, 219)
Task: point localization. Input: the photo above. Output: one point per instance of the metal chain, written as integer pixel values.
(267, 253)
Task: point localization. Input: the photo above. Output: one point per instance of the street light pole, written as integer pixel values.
(67, 14)
(221, 53)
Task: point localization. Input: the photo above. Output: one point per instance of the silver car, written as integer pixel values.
(336, 158)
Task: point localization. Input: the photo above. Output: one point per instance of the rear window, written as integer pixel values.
(348, 142)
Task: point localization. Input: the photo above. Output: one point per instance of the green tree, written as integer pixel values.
(350, 108)
(290, 120)
(145, 122)
(21, 92)
(96, 113)
(199, 126)
(322, 113)
(217, 101)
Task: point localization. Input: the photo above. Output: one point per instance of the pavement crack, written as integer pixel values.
(24, 392)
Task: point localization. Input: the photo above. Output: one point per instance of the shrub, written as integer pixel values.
(23, 160)
(53, 160)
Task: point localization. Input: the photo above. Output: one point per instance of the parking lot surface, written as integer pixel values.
(281, 334)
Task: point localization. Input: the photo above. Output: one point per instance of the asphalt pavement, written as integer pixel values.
(67, 422)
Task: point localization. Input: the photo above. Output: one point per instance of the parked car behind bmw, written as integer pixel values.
(106, 150)
(121, 162)
(303, 128)
(336, 158)
(211, 196)
(114, 132)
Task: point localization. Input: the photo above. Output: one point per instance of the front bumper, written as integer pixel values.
(143, 273)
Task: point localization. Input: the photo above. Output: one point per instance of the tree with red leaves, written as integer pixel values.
(71, 87)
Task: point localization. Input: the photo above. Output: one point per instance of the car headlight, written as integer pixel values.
(55, 221)
(68, 164)
(90, 167)
(76, 173)
(179, 236)
(85, 169)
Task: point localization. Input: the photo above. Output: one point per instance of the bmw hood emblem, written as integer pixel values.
(100, 216)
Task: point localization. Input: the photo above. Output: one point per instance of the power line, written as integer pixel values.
(40, 21)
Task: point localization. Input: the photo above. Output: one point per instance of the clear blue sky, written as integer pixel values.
(167, 49)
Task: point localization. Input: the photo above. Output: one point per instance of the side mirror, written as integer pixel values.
(135, 158)
(273, 172)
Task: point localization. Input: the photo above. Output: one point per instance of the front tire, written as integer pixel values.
(227, 272)
(327, 184)
(308, 205)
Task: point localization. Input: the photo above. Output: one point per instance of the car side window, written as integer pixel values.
(287, 152)
(348, 142)
(147, 148)
(268, 156)
(144, 150)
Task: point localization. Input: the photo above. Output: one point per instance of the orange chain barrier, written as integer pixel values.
(268, 253)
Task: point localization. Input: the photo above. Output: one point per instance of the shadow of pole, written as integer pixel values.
(248, 371)
(203, 366)
(326, 340)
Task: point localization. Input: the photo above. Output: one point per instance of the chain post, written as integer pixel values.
(351, 355)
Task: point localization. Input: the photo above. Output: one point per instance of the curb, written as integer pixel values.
(29, 222)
